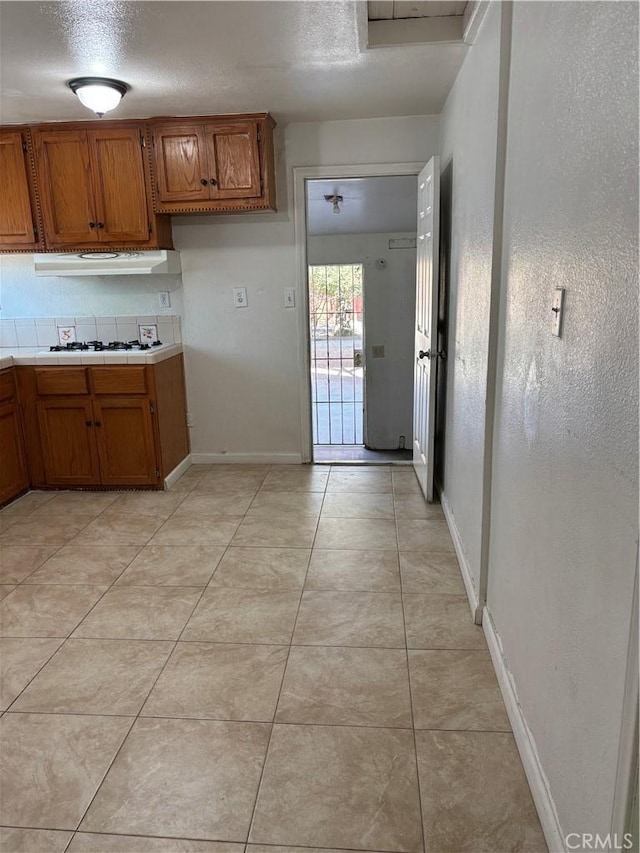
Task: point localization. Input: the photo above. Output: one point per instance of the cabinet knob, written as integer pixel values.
(213, 182)
(97, 423)
(92, 225)
(88, 423)
(100, 224)
(204, 181)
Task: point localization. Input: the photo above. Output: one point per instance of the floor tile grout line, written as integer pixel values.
(284, 673)
(292, 724)
(413, 722)
(192, 838)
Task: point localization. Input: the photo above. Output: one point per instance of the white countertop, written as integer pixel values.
(42, 358)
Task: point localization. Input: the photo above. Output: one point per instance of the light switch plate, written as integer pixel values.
(289, 297)
(240, 297)
(557, 310)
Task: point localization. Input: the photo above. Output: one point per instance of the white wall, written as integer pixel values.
(564, 510)
(468, 161)
(565, 497)
(23, 294)
(244, 365)
(389, 311)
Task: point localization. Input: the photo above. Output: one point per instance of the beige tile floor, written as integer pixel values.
(272, 658)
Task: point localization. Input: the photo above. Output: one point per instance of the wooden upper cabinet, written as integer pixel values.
(180, 159)
(94, 189)
(219, 165)
(233, 159)
(17, 221)
(64, 177)
(118, 174)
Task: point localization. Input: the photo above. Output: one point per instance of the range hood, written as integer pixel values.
(108, 263)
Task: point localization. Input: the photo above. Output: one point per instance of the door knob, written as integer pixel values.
(425, 354)
(204, 182)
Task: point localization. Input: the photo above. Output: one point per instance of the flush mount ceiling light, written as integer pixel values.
(335, 200)
(99, 94)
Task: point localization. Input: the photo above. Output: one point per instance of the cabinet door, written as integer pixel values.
(233, 159)
(118, 179)
(64, 177)
(125, 440)
(68, 441)
(181, 163)
(16, 220)
(13, 467)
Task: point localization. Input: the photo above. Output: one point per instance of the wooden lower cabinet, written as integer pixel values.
(122, 426)
(13, 467)
(68, 443)
(123, 429)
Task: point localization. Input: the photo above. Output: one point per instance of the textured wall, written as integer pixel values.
(389, 314)
(468, 133)
(565, 510)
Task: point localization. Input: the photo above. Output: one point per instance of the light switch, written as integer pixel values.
(240, 297)
(557, 310)
(289, 297)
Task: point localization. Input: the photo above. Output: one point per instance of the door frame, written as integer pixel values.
(301, 174)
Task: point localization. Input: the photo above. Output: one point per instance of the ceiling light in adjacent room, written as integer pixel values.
(335, 200)
(100, 94)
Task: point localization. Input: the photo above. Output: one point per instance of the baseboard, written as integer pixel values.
(525, 742)
(465, 570)
(246, 459)
(177, 472)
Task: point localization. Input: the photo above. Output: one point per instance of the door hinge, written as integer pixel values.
(259, 136)
(142, 141)
(150, 229)
(24, 147)
(158, 188)
(152, 409)
(157, 472)
(35, 233)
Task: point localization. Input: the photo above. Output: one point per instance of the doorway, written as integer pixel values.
(360, 252)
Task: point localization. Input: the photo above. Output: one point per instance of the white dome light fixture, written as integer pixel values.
(100, 94)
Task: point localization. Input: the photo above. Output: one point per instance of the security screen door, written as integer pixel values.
(337, 361)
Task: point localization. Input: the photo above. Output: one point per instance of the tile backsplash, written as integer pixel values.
(45, 332)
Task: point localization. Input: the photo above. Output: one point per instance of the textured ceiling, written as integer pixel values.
(370, 206)
(302, 61)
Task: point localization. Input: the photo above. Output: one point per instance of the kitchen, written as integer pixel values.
(339, 104)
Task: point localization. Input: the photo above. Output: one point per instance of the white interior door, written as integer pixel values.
(424, 385)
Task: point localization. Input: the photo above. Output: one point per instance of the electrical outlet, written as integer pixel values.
(164, 299)
(240, 297)
(289, 297)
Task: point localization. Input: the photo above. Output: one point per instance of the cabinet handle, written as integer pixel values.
(92, 225)
(97, 423)
(204, 181)
(100, 224)
(88, 423)
(213, 182)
